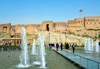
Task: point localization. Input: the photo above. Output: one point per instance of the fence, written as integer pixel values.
(83, 61)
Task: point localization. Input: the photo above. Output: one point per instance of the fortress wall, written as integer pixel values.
(18, 28)
(44, 25)
(60, 26)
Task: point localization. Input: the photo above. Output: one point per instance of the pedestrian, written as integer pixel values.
(61, 47)
(50, 46)
(73, 46)
(67, 47)
(57, 46)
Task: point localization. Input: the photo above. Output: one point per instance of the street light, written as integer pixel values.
(65, 36)
(65, 32)
(49, 37)
(15, 37)
(59, 38)
(81, 23)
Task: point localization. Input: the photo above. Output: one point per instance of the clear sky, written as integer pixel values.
(36, 11)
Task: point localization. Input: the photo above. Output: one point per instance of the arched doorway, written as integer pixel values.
(47, 27)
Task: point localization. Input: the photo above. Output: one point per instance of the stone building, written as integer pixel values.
(80, 26)
(12, 29)
(5, 27)
(59, 26)
(92, 22)
(85, 26)
(71, 24)
(47, 25)
(32, 27)
(18, 28)
(85, 23)
(77, 24)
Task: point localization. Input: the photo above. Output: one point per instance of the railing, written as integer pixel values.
(83, 61)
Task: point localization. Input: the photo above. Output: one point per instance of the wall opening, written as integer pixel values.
(47, 27)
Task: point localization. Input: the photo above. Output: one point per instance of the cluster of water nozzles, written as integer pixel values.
(38, 50)
(89, 45)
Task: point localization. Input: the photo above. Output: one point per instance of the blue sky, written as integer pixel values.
(36, 11)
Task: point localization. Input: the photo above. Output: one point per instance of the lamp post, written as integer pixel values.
(59, 38)
(81, 24)
(49, 37)
(15, 37)
(65, 36)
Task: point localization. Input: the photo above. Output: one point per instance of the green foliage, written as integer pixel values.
(78, 35)
(85, 35)
(99, 36)
(3, 32)
(15, 43)
(47, 48)
(9, 33)
(12, 46)
(95, 37)
(94, 29)
(78, 30)
(71, 33)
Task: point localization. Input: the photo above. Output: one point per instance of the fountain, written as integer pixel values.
(92, 44)
(85, 47)
(97, 46)
(33, 48)
(89, 44)
(24, 61)
(42, 53)
(44, 45)
(37, 62)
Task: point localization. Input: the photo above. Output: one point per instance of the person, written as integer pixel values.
(50, 46)
(57, 46)
(61, 47)
(67, 46)
(73, 46)
(47, 45)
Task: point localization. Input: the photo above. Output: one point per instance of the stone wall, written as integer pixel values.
(44, 25)
(59, 26)
(18, 28)
(32, 27)
(12, 29)
(5, 27)
(92, 22)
